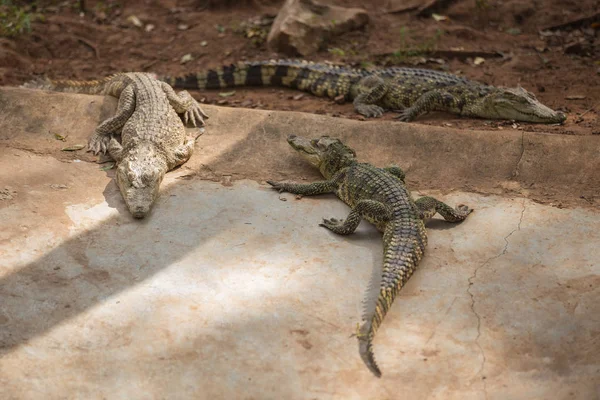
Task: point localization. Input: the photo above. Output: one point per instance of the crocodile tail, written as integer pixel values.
(319, 79)
(401, 257)
(96, 86)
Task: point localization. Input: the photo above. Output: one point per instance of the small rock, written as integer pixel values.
(246, 103)
(56, 186)
(575, 97)
(478, 60)
(298, 96)
(340, 99)
(226, 180)
(303, 27)
(203, 43)
(222, 102)
(149, 28)
(186, 58)
(135, 21)
(183, 27)
(439, 17)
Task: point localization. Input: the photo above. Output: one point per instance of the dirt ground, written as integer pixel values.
(562, 67)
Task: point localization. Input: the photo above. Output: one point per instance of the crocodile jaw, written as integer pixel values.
(326, 153)
(520, 105)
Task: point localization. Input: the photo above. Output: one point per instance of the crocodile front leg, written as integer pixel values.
(305, 189)
(184, 103)
(374, 211)
(434, 100)
(429, 206)
(371, 90)
(101, 138)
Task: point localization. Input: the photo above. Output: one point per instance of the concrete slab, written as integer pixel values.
(230, 292)
(227, 291)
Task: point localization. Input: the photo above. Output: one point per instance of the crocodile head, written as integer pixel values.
(326, 153)
(516, 104)
(139, 175)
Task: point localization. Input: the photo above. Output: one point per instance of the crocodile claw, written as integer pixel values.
(369, 110)
(331, 223)
(195, 115)
(98, 144)
(404, 115)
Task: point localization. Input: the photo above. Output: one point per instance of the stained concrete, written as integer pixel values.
(231, 290)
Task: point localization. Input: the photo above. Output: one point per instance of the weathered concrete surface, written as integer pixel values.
(242, 143)
(226, 291)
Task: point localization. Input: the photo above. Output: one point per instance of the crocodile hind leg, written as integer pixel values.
(184, 103)
(305, 189)
(434, 100)
(429, 206)
(371, 89)
(374, 211)
(101, 138)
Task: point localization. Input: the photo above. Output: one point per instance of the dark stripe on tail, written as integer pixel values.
(319, 79)
(212, 80)
(254, 75)
(186, 82)
(281, 71)
(302, 75)
(228, 75)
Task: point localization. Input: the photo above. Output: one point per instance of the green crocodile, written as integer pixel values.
(409, 91)
(380, 196)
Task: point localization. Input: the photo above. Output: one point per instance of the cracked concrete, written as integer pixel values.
(471, 282)
(226, 291)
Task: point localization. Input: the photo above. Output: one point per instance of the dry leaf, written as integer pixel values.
(73, 148)
(135, 21)
(186, 58)
(439, 17)
(109, 166)
(227, 94)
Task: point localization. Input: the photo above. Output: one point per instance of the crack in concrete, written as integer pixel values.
(471, 283)
(515, 172)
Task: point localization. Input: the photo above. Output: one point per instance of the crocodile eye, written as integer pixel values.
(148, 177)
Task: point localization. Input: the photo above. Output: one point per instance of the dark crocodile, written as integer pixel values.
(410, 91)
(380, 196)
